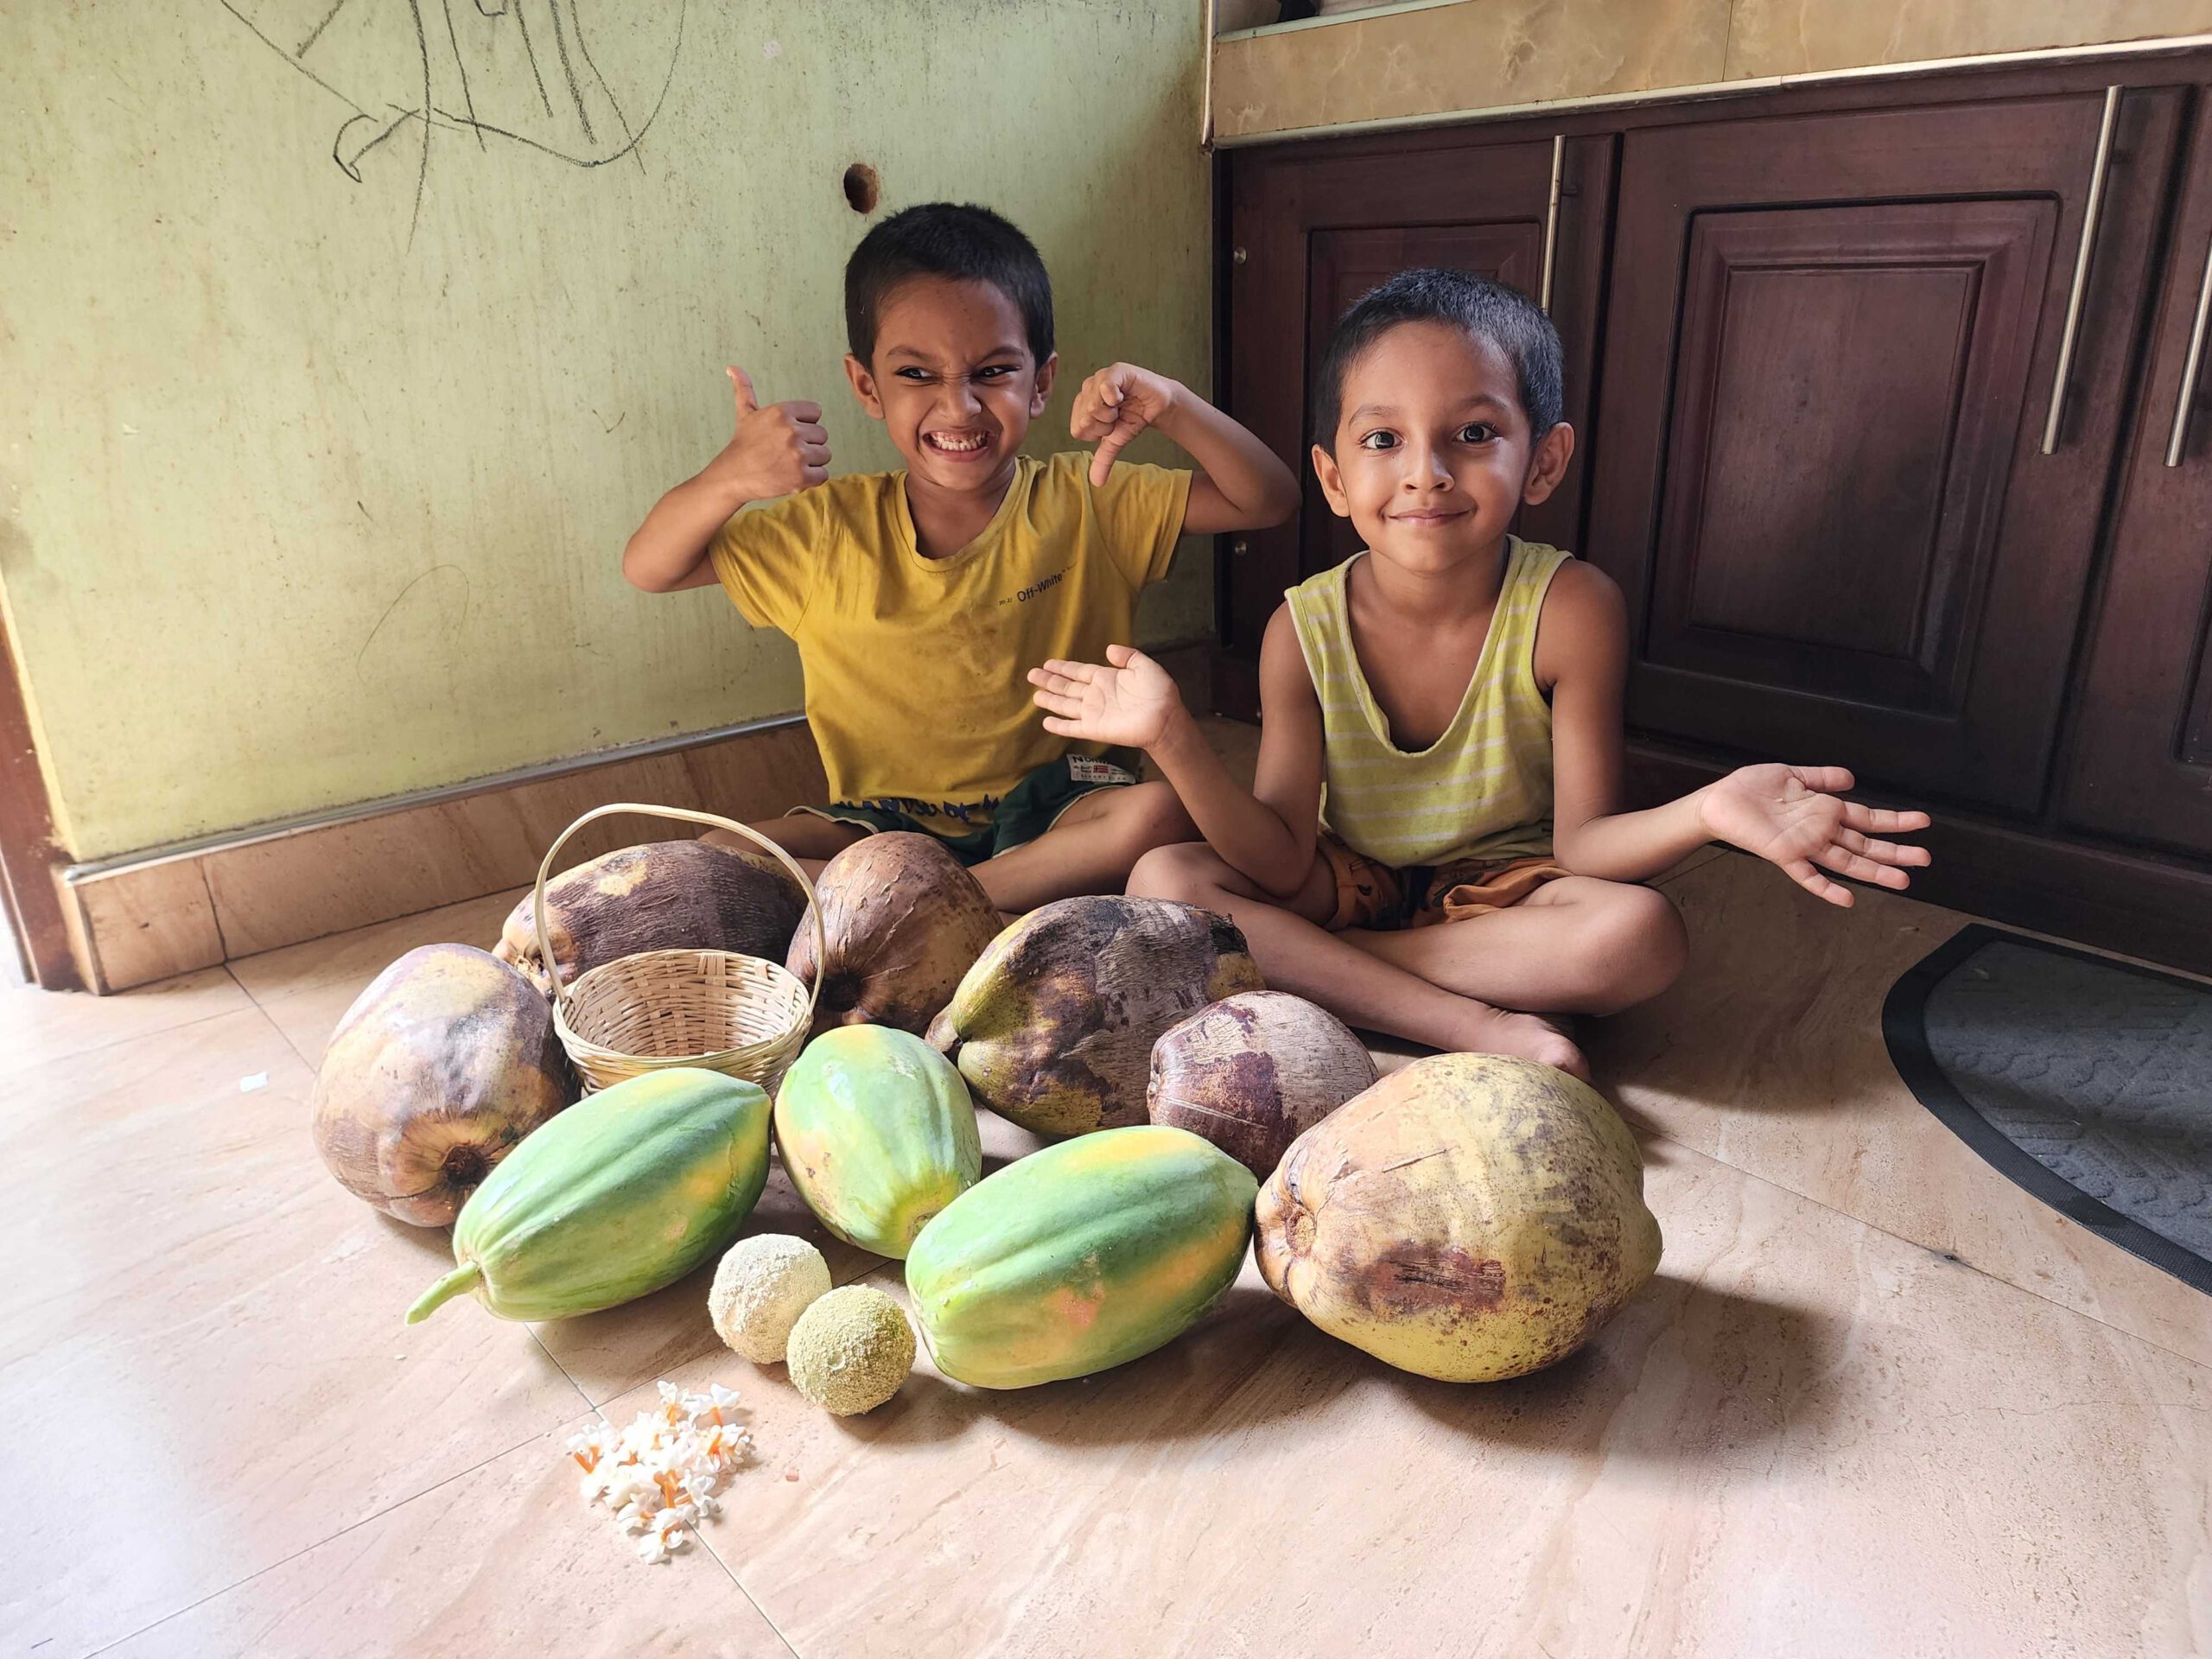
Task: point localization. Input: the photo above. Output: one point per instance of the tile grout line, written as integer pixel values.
(351, 1526)
(715, 1556)
(1926, 1249)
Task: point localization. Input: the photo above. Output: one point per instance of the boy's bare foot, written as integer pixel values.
(1524, 1036)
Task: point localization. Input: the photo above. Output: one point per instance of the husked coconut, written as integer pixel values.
(441, 1067)
(1254, 1071)
(905, 920)
(1470, 1217)
(1055, 1022)
(664, 895)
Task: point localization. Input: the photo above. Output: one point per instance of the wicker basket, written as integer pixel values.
(714, 1009)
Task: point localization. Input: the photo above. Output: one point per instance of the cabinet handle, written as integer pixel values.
(2191, 366)
(2089, 216)
(1551, 223)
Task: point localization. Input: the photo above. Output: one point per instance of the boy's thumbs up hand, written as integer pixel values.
(778, 450)
(1113, 406)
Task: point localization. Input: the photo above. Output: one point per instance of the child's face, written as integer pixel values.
(953, 381)
(1433, 454)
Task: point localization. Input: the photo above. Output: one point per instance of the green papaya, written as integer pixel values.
(1080, 1257)
(624, 1192)
(877, 1133)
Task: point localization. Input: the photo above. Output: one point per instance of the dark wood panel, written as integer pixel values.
(1848, 383)
(2139, 757)
(28, 857)
(2156, 909)
(1750, 464)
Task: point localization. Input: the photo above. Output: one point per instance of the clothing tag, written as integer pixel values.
(1089, 769)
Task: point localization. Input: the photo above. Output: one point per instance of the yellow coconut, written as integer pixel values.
(1470, 1217)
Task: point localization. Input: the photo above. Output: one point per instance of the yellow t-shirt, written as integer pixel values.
(915, 667)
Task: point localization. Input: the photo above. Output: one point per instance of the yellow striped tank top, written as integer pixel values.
(1483, 789)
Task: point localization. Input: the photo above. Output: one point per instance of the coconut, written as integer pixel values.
(762, 1286)
(664, 895)
(440, 1067)
(904, 920)
(1055, 1023)
(850, 1350)
(1470, 1217)
(1254, 1071)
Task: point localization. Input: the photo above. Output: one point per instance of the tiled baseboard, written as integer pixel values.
(145, 921)
(137, 921)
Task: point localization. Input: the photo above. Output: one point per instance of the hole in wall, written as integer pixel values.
(863, 187)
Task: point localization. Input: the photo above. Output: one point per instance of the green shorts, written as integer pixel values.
(1026, 811)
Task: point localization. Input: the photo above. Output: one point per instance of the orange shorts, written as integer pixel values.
(1375, 895)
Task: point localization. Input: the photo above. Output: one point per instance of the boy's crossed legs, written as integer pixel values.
(1575, 945)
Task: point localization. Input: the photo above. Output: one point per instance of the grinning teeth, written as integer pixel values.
(943, 441)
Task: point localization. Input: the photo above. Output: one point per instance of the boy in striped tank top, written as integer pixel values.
(1441, 737)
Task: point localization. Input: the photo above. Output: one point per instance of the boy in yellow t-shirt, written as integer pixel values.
(918, 599)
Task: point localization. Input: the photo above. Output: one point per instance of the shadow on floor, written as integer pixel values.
(1684, 1373)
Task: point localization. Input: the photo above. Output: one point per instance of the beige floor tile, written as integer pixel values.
(306, 989)
(504, 1560)
(201, 1350)
(1768, 1054)
(39, 1026)
(1805, 1438)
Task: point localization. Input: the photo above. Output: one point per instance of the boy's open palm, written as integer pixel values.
(1113, 406)
(1791, 816)
(1129, 702)
(778, 450)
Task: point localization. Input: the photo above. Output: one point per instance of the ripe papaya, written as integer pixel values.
(1054, 1026)
(877, 1133)
(625, 1192)
(1470, 1217)
(1079, 1258)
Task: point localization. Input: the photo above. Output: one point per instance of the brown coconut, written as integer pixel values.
(1254, 1071)
(1054, 1026)
(438, 1070)
(1470, 1217)
(905, 920)
(664, 895)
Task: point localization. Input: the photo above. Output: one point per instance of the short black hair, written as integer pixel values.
(1490, 312)
(957, 241)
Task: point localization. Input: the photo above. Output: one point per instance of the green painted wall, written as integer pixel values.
(313, 486)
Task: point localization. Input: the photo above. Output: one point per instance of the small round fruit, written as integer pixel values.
(763, 1285)
(850, 1350)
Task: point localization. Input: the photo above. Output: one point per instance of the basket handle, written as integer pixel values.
(713, 821)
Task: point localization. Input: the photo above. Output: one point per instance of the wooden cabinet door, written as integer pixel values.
(2139, 757)
(1312, 230)
(1833, 341)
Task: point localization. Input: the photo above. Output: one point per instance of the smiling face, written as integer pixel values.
(954, 381)
(1433, 454)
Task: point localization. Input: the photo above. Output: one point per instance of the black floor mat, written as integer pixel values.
(2088, 1082)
